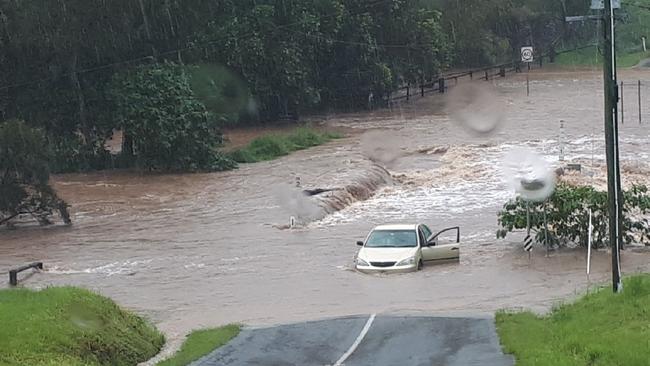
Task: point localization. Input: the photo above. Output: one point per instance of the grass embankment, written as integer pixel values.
(272, 146)
(70, 326)
(201, 342)
(591, 57)
(601, 328)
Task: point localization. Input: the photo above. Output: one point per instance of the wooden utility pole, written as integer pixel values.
(611, 142)
(610, 84)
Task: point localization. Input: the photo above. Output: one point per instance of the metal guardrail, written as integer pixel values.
(485, 73)
(13, 274)
(440, 85)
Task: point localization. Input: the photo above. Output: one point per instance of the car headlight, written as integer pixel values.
(361, 262)
(406, 262)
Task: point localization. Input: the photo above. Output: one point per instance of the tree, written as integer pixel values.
(24, 188)
(166, 126)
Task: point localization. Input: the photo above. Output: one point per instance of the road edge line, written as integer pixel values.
(357, 341)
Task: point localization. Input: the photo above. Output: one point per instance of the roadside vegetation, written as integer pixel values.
(272, 146)
(600, 329)
(591, 57)
(201, 342)
(567, 212)
(24, 176)
(69, 326)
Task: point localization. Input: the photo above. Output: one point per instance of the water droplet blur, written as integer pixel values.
(475, 107)
(221, 91)
(383, 147)
(252, 106)
(296, 203)
(528, 174)
(82, 317)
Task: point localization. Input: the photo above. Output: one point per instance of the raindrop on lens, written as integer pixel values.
(528, 174)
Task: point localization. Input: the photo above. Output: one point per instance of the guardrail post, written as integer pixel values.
(502, 71)
(551, 55)
(13, 278)
(441, 85)
(486, 75)
(471, 75)
(422, 89)
(408, 92)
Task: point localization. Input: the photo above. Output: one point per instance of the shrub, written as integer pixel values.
(71, 154)
(567, 212)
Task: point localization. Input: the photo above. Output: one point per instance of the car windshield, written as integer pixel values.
(392, 239)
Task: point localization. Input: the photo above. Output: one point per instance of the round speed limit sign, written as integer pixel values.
(527, 54)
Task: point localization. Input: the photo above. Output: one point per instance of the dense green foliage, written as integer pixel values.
(201, 342)
(70, 326)
(600, 329)
(249, 61)
(165, 126)
(24, 175)
(591, 56)
(567, 212)
(272, 146)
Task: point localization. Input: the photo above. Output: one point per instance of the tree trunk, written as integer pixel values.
(145, 19)
(127, 144)
(564, 24)
(81, 100)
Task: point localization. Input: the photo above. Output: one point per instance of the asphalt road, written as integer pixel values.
(367, 341)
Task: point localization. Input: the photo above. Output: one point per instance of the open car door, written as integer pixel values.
(444, 245)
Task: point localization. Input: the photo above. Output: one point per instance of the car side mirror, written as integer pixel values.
(360, 243)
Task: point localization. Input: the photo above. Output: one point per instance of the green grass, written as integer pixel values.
(66, 326)
(273, 146)
(201, 342)
(591, 57)
(601, 328)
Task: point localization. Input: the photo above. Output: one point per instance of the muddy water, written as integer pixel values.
(205, 249)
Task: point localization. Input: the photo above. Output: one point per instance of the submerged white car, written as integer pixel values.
(404, 248)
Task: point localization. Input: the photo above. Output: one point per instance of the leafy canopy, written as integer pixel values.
(167, 126)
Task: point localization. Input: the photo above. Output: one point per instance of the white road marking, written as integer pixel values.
(356, 343)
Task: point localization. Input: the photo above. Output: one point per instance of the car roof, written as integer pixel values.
(397, 227)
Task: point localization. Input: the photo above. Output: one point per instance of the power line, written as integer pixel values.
(168, 52)
(82, 71)
(355, 43)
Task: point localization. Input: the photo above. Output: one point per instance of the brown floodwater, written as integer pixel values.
(196, 250)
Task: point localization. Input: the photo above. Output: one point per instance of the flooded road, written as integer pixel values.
(205, 249)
